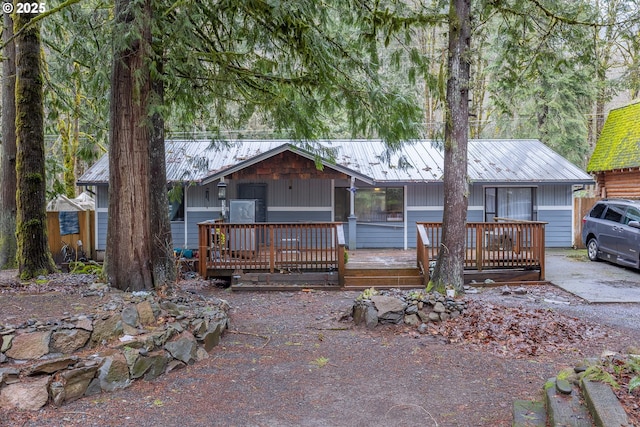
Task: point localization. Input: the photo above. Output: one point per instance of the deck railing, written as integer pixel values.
(270, 247)
(502, 244)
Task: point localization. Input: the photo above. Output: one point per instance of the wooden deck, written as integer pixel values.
(301, 256)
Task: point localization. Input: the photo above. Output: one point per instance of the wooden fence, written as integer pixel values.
(581, 205)
(86, 222)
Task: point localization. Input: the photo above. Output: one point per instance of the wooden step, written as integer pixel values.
(382, 278)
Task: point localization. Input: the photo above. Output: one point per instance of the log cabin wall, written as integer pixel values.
(622, 184)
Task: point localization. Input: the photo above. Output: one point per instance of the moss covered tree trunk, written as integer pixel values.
(128, 261)
(8, 207)
(34, 257)
(449, 268)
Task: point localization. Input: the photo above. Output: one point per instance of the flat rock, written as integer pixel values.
(29, 346)
(25, 395)
(66, 341)
(53, 365)
(386, 304)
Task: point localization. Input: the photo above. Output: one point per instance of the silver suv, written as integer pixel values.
(611, 231)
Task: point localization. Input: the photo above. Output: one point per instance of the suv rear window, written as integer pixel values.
(597, 210)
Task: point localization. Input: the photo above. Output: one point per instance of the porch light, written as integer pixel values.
(222, 190)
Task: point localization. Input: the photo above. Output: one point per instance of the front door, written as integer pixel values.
(256, 192)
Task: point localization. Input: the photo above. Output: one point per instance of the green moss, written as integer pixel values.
(618, 146)
(549, 384)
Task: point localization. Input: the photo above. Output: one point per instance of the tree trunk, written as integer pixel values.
(34, 257)
(8, 207)
(449, 268)
(164, 266)
(128, 261)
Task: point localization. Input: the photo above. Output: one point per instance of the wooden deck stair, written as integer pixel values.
(389, 277)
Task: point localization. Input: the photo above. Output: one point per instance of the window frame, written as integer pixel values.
(490, 213)
(380, 196)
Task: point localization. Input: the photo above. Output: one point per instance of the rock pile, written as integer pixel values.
(133, 335)
(415, 308)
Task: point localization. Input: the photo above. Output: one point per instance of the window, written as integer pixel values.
(597, 210)
(509, 202)
(176, 204)
(632, 214)
(371, 204)
(614, 213)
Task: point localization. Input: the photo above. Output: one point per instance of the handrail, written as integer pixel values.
(489, 245)
(270, 247)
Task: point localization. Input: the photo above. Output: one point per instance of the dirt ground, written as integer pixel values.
(289, 360)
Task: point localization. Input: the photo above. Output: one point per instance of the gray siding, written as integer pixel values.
(304, 216)
(476, 197)
(431, 194)
(205, 196)
(555, 195)
(317, 193)
(301, 193)
(101, 228)
(102, 196)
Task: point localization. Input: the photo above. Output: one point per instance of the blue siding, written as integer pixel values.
(420, 216)
(475, 215)
(558, 230)
(380, 236)
(193, 218)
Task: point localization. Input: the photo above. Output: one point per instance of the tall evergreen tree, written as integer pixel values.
(128, 260)
(34, 257)
(449, 268)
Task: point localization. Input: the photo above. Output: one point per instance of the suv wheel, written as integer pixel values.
(592, 249)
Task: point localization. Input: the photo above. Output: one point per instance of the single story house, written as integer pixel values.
(379, 196)
(615, 162)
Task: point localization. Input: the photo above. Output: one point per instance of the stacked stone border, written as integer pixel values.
(415, 308)
(132, 336)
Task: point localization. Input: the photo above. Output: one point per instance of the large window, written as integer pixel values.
(509, 202)
(371, 204)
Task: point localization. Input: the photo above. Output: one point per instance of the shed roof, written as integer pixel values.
(491, 161)
(618, 146)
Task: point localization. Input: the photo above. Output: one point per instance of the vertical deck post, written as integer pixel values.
(272, 250)
(540, 230)
(479, 252)
(203, 253)
(340, 246)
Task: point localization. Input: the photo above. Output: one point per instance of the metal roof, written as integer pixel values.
(493, 161)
